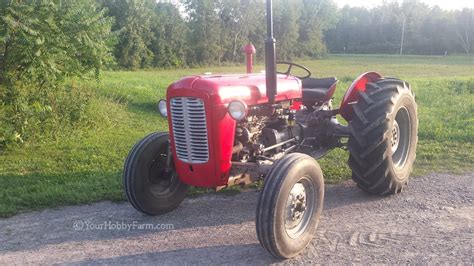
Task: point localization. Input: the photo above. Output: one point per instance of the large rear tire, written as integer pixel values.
(384, 136)
(149, 187)
(290, 205)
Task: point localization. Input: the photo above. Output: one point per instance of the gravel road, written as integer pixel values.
(432, 221)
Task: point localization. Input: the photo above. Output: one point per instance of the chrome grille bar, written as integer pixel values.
(188, 118)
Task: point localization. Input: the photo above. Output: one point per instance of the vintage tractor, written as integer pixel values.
(227, 130)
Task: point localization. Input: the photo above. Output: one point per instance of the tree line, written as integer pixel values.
(203, 32)
(409, 28)
(166, 34)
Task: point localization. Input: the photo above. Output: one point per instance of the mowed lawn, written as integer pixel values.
(85, 165)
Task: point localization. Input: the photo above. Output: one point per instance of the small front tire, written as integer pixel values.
(290, 205)
(148, 186)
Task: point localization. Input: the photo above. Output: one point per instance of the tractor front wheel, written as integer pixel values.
(290, 205)
(150, 181)
(383, 138)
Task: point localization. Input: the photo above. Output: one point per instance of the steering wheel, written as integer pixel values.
(290, 67)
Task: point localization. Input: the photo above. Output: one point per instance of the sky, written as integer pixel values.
(445, 4)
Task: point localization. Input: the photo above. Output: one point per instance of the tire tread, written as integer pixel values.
(369, 134)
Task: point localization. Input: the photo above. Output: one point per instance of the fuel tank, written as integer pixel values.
(201, 130)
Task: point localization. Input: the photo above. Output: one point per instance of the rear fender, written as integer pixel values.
(352, 94)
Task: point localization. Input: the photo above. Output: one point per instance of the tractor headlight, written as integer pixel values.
(162, 108)
(237, 110)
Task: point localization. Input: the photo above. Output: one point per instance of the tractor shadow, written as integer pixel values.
(200, 216)
(246, 254)
(337, 196)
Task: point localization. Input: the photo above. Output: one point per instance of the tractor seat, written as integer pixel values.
(317, 89)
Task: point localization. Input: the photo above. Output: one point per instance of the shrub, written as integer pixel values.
(462, 86)
(43, 42)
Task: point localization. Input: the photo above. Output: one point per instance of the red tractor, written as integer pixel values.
(227, 130)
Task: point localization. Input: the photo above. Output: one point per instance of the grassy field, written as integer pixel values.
(85, 165)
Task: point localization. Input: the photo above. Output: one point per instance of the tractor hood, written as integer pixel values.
(249, 88)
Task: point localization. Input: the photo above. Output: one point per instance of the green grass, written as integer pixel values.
(85, 166)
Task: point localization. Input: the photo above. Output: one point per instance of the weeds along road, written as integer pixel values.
(431, 221)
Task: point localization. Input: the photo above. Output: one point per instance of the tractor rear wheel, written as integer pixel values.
(290, 205)
(149, 186)
(384, 135)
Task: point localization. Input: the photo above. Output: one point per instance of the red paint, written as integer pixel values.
(249, 51)
(250, 89)
(352, 94)
(217, 92)
(296, 105)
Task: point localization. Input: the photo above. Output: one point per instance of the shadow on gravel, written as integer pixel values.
(336, 196)
(233, 254)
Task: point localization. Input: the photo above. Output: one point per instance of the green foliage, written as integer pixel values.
(133, 21)
(204, 31)
(169, 37)
(317, 16)
(462, 86)
(286, 17)
(240, 22)
(44, 42)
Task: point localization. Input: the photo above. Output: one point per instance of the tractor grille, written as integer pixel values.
(188, 118)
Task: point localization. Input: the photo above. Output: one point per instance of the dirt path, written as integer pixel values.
(432, 221)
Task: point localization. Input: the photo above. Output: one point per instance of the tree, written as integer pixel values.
(169, 41)
(286, 16)
(428, 30)
(133, 21)
(436, 21)
(317, 16)
(415, 13)
(386, 29)
(3, 32)
(464, 29)
(204, 32)
(47, 40)
(239, 19)
(353, 32)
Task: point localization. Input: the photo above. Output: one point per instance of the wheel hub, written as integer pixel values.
(299, 208)
(160, 178)
(400, 138)
(395, 136)
(297, 205)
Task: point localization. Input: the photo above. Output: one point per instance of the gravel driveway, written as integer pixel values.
(430, 222)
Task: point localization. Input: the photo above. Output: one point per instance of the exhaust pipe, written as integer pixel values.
(270, 56)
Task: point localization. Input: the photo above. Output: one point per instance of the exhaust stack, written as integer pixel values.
(270, 56)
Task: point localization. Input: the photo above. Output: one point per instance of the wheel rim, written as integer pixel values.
(400, 138)
(160, 180)
(300, 207)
